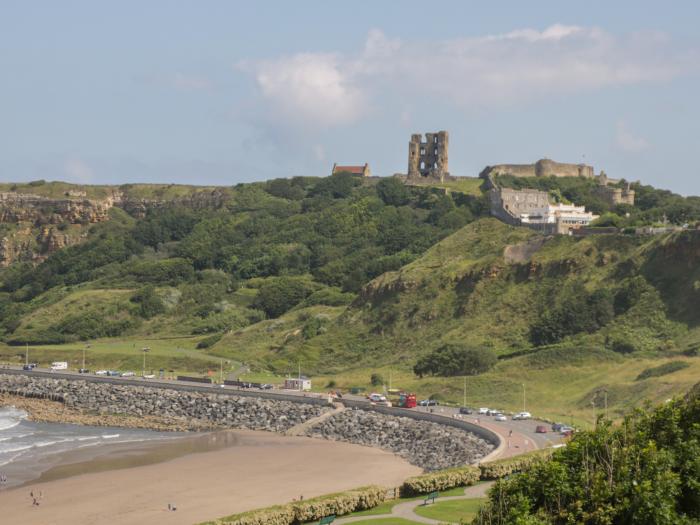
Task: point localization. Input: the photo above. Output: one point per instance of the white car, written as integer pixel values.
(522, 415)
(128, 374)
(377, 398)
(501, 417)
(483, 411)
(101, 372)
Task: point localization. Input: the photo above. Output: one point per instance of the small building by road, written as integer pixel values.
(297, 383)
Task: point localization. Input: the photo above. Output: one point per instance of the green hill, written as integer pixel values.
(350, 277)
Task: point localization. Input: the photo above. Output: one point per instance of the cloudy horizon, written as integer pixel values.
(228, 93)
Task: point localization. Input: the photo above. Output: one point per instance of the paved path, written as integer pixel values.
(406, 509)
(300, 429)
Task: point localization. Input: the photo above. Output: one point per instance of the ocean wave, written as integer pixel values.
(10, 417)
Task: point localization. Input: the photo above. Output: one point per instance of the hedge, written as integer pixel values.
(309, 510)
(440, 480)
(504, 467)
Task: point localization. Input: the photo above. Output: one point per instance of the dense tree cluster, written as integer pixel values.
(645, 471)
(455, 360)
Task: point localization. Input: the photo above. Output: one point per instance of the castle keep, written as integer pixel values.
(429, 158)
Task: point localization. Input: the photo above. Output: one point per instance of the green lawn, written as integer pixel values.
(451, 511)
(385, 521)
(385, 508)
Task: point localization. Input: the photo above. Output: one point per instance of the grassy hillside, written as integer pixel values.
(347, 278)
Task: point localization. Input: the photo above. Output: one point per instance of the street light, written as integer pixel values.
(84, 349)
(523, 397)
(145, 350)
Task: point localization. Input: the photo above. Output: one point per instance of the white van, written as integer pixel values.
(59, 365)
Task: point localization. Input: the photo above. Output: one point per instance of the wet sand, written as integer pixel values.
(253, 469)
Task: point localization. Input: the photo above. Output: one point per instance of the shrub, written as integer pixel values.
(440, 480)
(280, 295)
(662, 370)
(149, 303)
(455, 360)
(209, 341)
(623, 347)
(505, 467)
(376, 380)
(309, 510)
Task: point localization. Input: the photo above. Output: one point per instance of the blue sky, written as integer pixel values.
(226, 92)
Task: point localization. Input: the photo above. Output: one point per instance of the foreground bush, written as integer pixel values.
(644, 472)
(309, 510)
(440, 480)
(505, 467)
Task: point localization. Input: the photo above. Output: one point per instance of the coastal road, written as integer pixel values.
(518, 436)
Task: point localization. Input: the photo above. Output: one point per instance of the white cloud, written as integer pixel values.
(627, 141)
(469, 73)
(312, 88)
(78, 171)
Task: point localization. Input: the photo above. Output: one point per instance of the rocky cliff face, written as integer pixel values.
(34, 221)
(38, 226)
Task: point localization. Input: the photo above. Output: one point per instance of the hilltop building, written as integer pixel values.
(614, 196)
(428, 159)
(355, 170)
(531, 208)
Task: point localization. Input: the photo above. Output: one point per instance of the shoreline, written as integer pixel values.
(244, 470)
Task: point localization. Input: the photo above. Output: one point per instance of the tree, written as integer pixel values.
(393, 192)
(376, 380)
(277, 296)
(149, 303)
(455, 360)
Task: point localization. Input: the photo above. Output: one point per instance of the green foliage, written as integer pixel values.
(149, 303)
(576, 312)
(393, 192)
(505, 467)
(210, 341)
(440, 480)
(645, 471)
(279, 295)
(455, 360)
(662, 370)
(376, 380)
(309, 510)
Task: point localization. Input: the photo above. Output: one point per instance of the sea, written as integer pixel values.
(28, 449)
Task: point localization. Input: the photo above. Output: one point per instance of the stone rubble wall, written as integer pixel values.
(429, 445)
(226, 411)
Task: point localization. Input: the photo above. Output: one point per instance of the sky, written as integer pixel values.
(222, 92)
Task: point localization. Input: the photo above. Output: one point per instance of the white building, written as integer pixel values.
(565, 216)
(301, 383)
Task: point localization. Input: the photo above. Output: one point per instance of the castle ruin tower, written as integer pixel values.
(429, 158)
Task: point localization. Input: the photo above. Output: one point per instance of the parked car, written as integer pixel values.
(428, 403)
(541, 429)
(113, 373)
(83, 371)
(556, 427)
(566, 430)
(27, 367)
(102, 373)
(149, 376)
(483, 411)
(266, 386)
(128, 374)
(465, 410)
(493, 412)
(501, 417)
(376, 398)
(522, 415)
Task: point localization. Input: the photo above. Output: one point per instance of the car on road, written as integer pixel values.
(493, 412)
(28, 367)
(429, 403)
(483, 411)
(522, 415)
(128, 374)
(376, 398)
(83, 371)
(556, 427)
(113, 373)
(567, 430)
(541, 429)
(465, 410)
(501, 417)
(149, 376)
(266, 386)
(102, 373)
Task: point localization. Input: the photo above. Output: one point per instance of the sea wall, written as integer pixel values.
(430, 445)
(190, 408)
(427, 440)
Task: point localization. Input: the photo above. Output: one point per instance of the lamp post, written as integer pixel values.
(523, 397)
(84, 349)
(145, 350)
(464, 401)
(26, 354)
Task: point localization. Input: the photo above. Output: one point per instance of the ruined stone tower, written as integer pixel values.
(429, 158)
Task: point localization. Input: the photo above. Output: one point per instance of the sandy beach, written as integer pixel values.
(254, 470)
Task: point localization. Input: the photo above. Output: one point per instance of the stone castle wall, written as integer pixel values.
(543, 168)
(429, 158)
